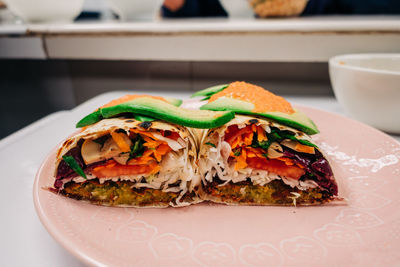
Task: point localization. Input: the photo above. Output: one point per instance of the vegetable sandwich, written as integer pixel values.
(245, 146)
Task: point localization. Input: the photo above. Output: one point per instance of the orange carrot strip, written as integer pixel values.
(261, 136)
(241, 160)
(303, 148)
(119, 139)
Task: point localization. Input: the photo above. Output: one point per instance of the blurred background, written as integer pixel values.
(54, 55)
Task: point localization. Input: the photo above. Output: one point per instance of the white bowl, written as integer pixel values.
(238, 8)
(136, 10)
(46, 10)
(368, 88)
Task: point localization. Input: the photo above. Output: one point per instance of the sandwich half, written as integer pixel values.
(265, 156)
(134, 151)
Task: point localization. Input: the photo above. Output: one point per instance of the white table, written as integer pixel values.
(24, 241)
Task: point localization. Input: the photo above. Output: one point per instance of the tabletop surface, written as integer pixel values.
(255, 40)
(300, 24)
(25, 242)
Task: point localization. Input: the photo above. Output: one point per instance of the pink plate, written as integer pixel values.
(366, 232)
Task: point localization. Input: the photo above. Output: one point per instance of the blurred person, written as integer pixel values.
(192, 8)
(352, 7)
(213, 8)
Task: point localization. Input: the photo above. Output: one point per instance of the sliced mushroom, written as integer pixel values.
(275, 151)
(122, 159)
(91, 151)
(292, 145)
(266, 128)
(289, 143)
(110, 149)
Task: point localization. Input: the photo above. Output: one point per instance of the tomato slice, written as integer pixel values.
(276, 166)
(114, 169)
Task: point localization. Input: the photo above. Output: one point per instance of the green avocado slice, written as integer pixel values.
(297, 120)
(142, 118)
(158, 109)
(90, 119)
(208, 92)
(174, 101)
(96, 116)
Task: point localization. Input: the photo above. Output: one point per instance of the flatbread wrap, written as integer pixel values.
(264, 157)
(131, 158)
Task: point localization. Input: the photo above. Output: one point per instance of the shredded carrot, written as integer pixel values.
(155, 168)
(242, 139)
(137, 131)
(155, 147)
(263, 100)
(261, 136)
(150, 143)
(147, 153)
(258, 152)
(237, 142)
(251, 154)
(119, 139)
(248, 139)
(305, 149)
(161, 151)
(241, 160)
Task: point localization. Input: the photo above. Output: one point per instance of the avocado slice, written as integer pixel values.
(142, 118)
(174, 101)
(297, 120)
(154, 108)
(208, 92)
(96, 116)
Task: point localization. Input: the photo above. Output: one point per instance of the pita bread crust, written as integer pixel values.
(218, 200)
(195, 200)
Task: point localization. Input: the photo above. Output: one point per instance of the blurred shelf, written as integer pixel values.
(305, 39)
(13, 29)
(22, 47)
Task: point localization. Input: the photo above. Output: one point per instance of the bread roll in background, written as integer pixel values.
(278, 8)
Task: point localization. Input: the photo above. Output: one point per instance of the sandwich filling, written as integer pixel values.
(266, 159)
(133, 164)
